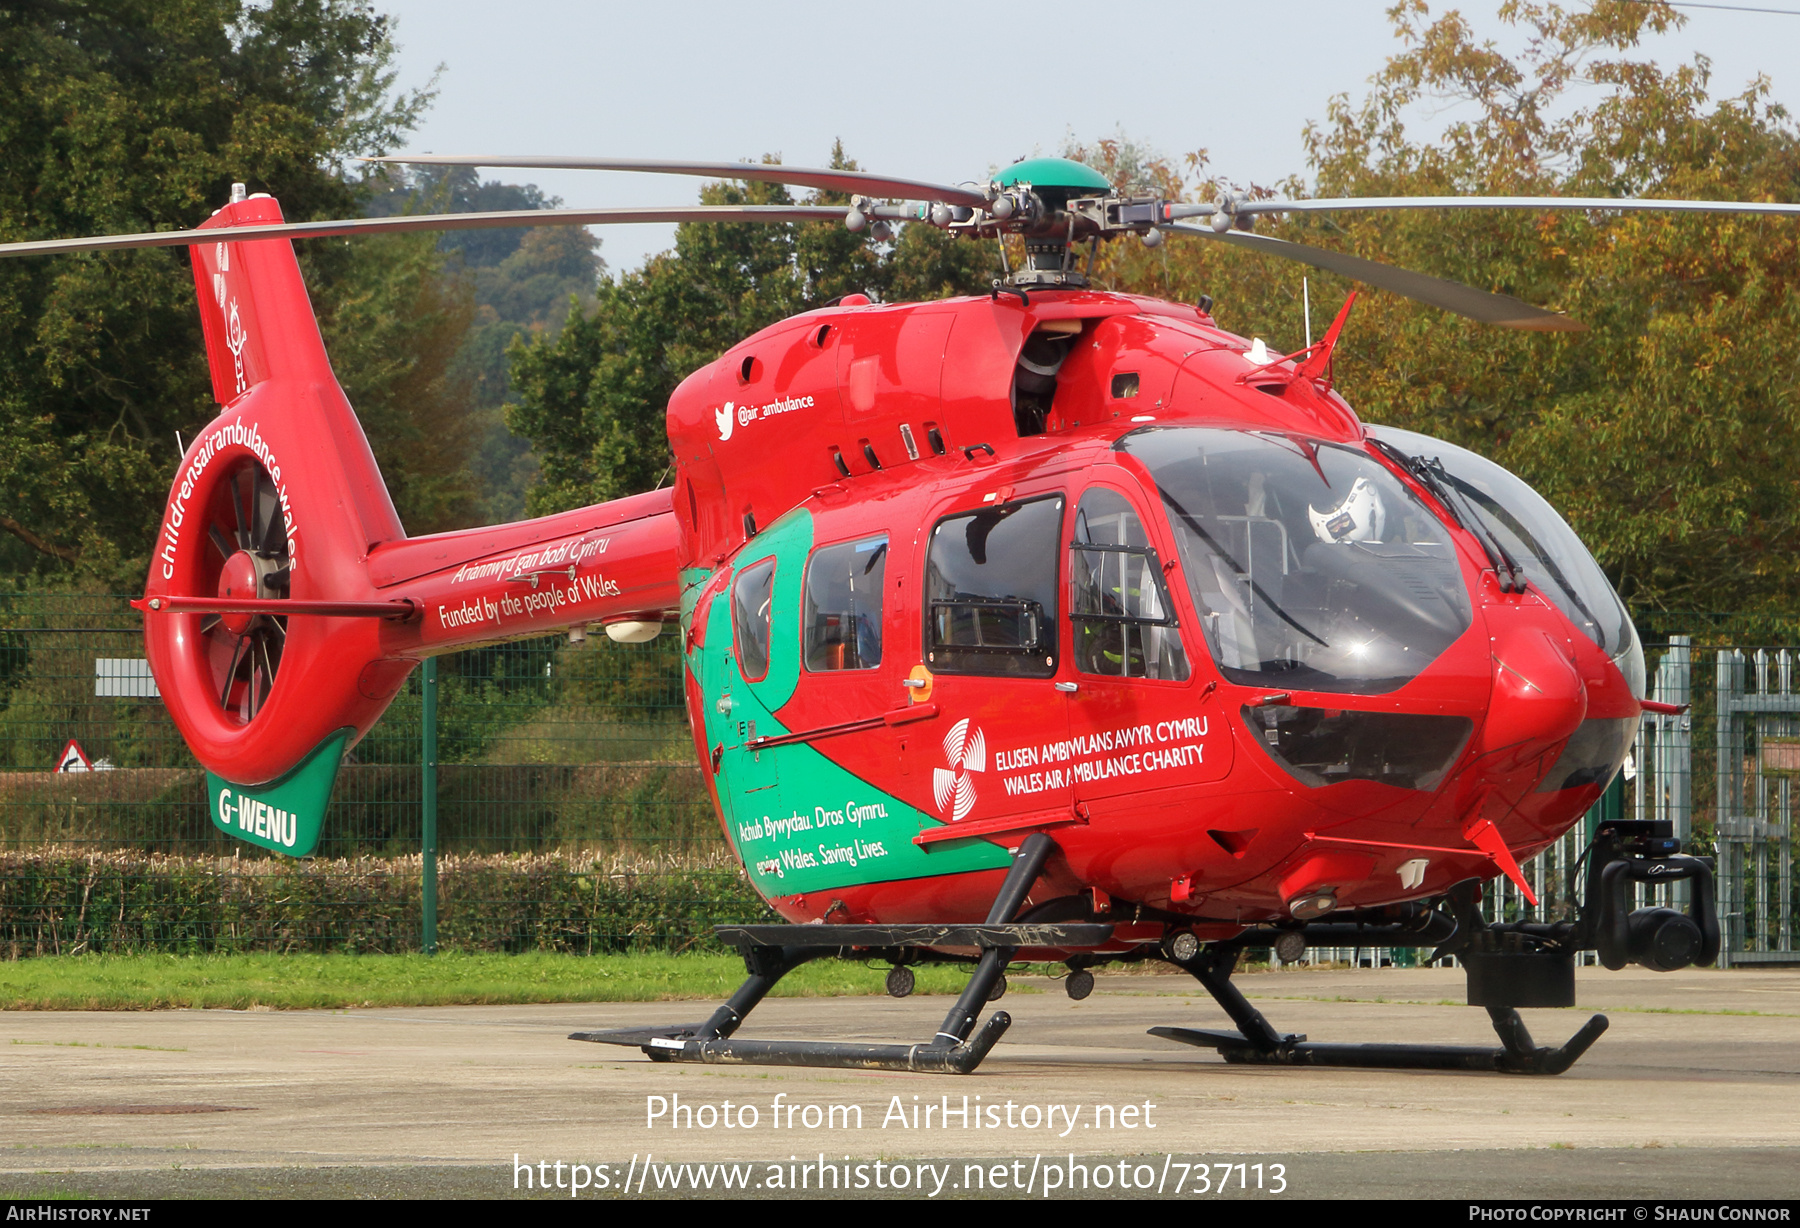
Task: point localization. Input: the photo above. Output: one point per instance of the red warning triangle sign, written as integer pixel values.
(73, 760)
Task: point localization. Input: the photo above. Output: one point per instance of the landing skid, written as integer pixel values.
(1257, 1043)
(958, 1046)
(772, 951)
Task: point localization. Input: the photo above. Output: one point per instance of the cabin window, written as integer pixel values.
(1326, 746)
(1593, 754)
(1123, 620)
(752, 602)
(990, 590)
(843, 605)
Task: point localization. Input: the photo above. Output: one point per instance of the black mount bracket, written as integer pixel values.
(1661, 939)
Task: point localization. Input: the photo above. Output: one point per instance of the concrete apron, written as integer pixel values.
(115, 1102)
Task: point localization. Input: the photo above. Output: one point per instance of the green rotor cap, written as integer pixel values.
(1065, 174)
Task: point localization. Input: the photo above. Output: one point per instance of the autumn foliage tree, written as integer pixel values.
(1666, 434)
(118, 117)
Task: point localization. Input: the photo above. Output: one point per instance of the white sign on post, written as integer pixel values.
(124, 678)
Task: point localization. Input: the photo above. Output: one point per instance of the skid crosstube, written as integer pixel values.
(772, 951)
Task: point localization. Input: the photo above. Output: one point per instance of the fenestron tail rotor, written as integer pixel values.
(249, 560)
(1054, 204)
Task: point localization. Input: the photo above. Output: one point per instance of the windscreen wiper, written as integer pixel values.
(1432, 475)
(1415, 466)
(1506, 568)
(1542, 555)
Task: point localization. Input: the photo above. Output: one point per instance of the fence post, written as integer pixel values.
(428, 756)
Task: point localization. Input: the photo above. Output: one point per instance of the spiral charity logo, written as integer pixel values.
(954, 787)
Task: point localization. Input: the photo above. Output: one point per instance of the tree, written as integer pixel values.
(520, 282)
(116, 117)
(395, 324)
(592, 398)
(1666, 435)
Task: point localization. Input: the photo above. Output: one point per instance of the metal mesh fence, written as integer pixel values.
(1726, 776)
(571, 812)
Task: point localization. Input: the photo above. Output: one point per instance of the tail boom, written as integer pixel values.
(279, 542)
(607, 563)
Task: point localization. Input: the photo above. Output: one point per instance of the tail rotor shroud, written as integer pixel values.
(247, 536)
(286, 605)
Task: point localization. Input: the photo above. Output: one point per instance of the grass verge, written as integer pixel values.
(315, 982)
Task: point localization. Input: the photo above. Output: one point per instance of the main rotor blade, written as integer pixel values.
(433, 221)
(1630, 204)
(1480, 305)
(851, 182)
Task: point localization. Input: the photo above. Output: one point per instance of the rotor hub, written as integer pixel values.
(247, 533)
(239, 579)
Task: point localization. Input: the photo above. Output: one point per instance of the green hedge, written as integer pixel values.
(375, 809)
(60, 901)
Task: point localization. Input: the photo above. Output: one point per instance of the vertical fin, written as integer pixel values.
(254, 309)
(261, 330)
(1318, 362)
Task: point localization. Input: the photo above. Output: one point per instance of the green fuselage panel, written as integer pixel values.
(799, 822)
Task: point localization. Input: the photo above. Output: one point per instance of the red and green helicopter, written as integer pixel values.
(1049, 624)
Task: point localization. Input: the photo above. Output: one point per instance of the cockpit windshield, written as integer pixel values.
(1528, 528)
(1311, 565)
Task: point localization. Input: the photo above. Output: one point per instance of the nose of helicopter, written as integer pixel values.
(1538, 696)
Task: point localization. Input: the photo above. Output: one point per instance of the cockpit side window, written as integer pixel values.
(844, 585)
(752, 605)
(1123, 620)
(990, 590)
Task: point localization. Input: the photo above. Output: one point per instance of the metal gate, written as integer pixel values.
(1758, 744)
(1657, 784)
